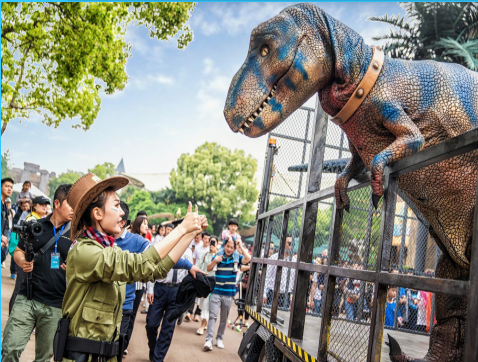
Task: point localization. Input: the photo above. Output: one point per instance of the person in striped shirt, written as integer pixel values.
(225, 290)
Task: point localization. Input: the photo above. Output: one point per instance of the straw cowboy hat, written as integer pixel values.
(84, 191)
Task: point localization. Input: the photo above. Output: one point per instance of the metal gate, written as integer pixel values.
(370, 251)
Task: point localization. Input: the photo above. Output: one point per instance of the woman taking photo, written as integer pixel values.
(97, 272)
(225, 290)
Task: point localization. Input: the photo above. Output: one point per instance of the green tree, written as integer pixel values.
(219, 180)
(103, 170)
(68, 177)
(58, 57)
(5, 163)
(440, 31)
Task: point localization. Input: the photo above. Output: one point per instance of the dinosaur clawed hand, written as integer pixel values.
(341, 198)
(396, 354)
(376, 183)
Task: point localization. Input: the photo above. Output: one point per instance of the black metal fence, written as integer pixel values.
(362, 271)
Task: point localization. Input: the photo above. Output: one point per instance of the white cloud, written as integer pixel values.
(208, 66)
(212, 92)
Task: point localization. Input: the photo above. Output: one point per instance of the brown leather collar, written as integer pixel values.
(363, 88)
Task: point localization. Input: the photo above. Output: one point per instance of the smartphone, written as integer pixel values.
(213, 242)
(128, 223)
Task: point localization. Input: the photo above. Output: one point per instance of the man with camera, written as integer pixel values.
(39, 301)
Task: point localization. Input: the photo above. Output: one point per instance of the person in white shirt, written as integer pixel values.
(200, 248)
(284, 292)
(162, 300)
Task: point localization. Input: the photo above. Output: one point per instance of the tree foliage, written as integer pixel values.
(5, 163)
(68, 177)
(58, 57)
(103, 170)
(440, 31)
(219, 180)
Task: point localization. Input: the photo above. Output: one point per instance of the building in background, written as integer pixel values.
(32, 172)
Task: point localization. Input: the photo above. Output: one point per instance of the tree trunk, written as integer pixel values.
(4, 127)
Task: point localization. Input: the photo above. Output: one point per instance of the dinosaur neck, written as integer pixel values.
(350, 60)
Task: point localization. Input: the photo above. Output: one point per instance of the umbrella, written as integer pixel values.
(33, 189)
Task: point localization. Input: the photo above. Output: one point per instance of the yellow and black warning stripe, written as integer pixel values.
(299, 352)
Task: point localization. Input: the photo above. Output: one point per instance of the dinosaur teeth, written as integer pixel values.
(256, 114)
(268, 99)
(246, 125)
(260, 109)
(241, 130)
(250, 120)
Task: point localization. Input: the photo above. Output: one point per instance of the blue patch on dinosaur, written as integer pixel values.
(299, 66)
(289, 83)
(276, 107)
(237, 120)
(258, 123)
(252, 67)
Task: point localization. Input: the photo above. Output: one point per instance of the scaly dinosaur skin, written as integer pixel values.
(412, 106)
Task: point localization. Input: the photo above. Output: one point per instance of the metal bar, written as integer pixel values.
(357, 183)
(309, 219)
(329, 284)
(275, 299)
(317, 151)
(282, 263)
(264, 266)
(455, 146)
(284, 195)
(255, 267)
(286, 351)
(291, 138)
(264, 202)
(383, 263)
(457, 288)
(301, 284)
(404, 238)
(471, 336)
(281, 209)
(435, 285)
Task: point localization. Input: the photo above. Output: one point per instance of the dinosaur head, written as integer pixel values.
(286, 64)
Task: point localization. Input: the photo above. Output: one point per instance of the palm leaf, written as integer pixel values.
(468, 51)
(396, 21)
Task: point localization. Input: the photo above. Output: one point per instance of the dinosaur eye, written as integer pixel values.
(264, 50)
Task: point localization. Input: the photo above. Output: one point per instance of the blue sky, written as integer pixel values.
(174, 98)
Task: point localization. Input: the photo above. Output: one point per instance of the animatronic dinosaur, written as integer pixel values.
(389, 109)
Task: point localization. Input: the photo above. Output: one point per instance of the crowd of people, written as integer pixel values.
(77, 277)
(353, 298)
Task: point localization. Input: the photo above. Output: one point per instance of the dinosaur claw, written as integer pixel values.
(347, 208)
(395, 349)
(375, 200)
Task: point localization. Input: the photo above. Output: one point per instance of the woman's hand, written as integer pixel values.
(195, 271)
(203, 221)
(191, 222)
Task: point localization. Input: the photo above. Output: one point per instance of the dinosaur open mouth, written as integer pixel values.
(248, 121)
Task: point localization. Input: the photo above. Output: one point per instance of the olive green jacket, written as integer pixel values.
(96, 286)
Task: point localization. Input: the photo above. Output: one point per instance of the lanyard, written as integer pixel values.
(59, 236)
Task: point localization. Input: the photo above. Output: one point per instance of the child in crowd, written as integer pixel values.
(390, 311)
(233, 234)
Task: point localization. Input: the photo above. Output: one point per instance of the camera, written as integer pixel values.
(29, 230)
